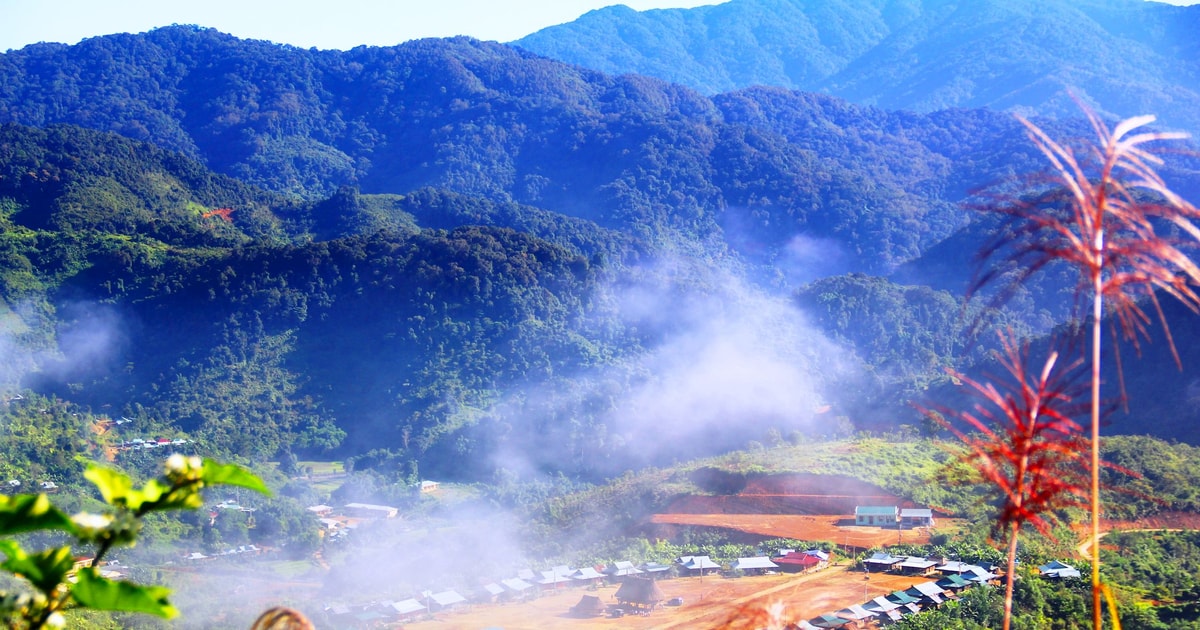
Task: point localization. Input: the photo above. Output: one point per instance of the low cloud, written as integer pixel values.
(87, 339)
(725, 362)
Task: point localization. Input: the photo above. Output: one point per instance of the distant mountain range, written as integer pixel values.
(1122, 57)
(443, 252)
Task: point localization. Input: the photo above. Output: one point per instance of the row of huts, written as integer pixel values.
(884, 609)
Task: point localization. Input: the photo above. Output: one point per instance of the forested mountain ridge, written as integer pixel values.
(1124, 57)
(458, 255)
(124, 286)
(752, 168)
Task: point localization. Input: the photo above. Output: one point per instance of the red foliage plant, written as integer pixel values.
(1106, 212)
(1023, 440)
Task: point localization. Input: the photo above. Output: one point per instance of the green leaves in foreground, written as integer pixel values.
(31, 512)
(45, 569)
(60, 583)
(98, 593)
(179, 488)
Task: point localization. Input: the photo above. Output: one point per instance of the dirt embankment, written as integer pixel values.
(780, 494)
(802, 506)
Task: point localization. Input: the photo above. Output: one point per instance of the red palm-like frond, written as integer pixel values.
(1024, 441)
(1107, 213)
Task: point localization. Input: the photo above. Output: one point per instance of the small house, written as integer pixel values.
(882, 562)
(445, 599)
(407, 609)
(698, 564)
(1057, 570)
(980, 575)
(954, 583)
(516, 588)
(877, 515)
(798, 562)
(554, 578)
(916, 517)
(954, 567)
(928, 593)
(587, 575)
(829, 621)
(855, 613)
(368, 510)
(623, 568)
(488, 592)
(884, 608)
(656, 571)
(902, 598)
(915, 565)
(755, 566)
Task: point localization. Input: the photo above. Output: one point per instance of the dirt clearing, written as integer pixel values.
(707, 602)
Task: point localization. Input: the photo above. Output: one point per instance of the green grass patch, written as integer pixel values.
(323, 468)
(292, 569)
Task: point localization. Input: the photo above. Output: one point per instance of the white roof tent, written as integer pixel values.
(696, 563)
(622, 568)
(760, 562)
(447, 598)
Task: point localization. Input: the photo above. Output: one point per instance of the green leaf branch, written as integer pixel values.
(58, 583)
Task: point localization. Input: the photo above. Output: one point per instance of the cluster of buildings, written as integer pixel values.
(638, 593)
(893, 516)
(137, 444)
(954, 577)
(196, 556)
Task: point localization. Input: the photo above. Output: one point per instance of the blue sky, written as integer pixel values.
(338, 24)
(306, 23)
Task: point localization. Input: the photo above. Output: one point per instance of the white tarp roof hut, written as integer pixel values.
(954, 566)
(883, 561)
(407, 606)
(586, 573)
(555, 576)
(759, 562)
(915, 562)
(516, 585)
(445, 599)
(928, 588)
(622, 568)
(696, 563)
(880, 604)
(979, 574)
(855, 612)
(1056, 569)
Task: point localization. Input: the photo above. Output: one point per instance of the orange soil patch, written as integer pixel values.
(1165, 520)
(709, 602)
(800, 527)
